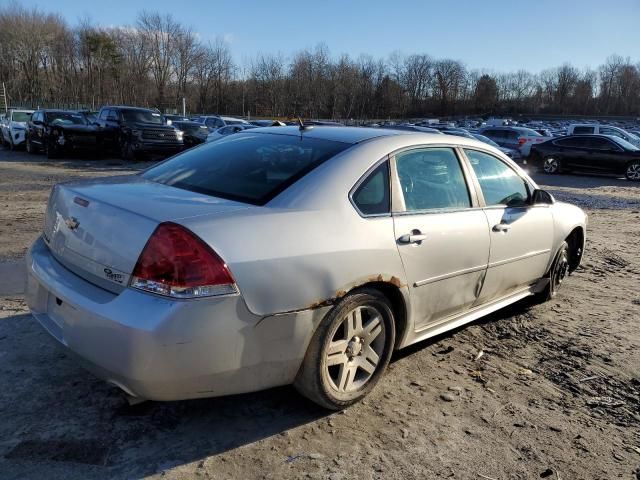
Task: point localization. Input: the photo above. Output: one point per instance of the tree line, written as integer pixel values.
(157, 61)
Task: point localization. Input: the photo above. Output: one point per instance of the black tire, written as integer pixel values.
(633, 171)
(29, 147)
(53, 151)
(126, 151)
(556, 275)
(316, 381)
(551, 165)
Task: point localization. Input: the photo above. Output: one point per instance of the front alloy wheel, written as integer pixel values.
(633, 172)
(551, 165)
(349, 351)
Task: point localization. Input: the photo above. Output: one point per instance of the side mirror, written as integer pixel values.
(541, 197)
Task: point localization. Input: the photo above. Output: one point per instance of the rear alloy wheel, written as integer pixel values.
(551, 165)
(349, 351)
(633, 172)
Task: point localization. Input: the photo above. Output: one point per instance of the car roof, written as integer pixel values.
(350, 135)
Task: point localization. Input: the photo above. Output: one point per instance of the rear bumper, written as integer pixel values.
(159, 349)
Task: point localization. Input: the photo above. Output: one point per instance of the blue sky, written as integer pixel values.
(495, 35)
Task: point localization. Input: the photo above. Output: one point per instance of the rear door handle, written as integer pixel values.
(501, 227)
(414, 237)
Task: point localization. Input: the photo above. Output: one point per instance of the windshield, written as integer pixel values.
(484, 139)
(249, 167)
(20, 117)
(142, 116)
(233, 122)
(623, 143)
(66, 118)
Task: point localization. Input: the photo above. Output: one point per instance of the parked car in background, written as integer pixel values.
(274, 258)
(57, 132)
(213, 122)
(509, 152)
(413, 128)
(515, 138)
(228, 130)
(595, 129)
(16, 127)
(4, 129)
(170, 118)
(267, 123)
(135, 132)
(591, 153)
(194, 133)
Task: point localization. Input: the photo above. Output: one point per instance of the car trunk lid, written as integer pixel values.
(97, 229)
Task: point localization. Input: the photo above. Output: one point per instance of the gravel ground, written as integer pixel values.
(555, 393)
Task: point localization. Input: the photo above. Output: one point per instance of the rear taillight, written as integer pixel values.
(178, 264)
(522, 141)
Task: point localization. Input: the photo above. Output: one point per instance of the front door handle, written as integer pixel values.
(501, 227)
(414, 237)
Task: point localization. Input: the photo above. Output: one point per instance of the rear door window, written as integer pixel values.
(573, 142)
(248, 167)
(432, 178)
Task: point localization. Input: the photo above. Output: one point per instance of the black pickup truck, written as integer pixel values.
(135, 132)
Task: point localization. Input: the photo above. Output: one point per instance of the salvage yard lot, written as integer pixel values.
(532, 391)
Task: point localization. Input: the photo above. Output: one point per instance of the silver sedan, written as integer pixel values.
(292, 255)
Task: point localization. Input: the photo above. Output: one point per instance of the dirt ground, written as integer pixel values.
(532, 391)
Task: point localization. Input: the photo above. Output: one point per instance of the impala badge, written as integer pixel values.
(72, 223)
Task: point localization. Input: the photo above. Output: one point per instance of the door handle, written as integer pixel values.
(501, 227)
(414, 237)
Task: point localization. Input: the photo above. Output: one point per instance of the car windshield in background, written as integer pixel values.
(484, 139)
(142, 116)
(21, 116)
(248, 167)
(623, 143)
(233, 122)
(66, 118)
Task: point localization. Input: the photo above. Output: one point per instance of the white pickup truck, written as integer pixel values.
(592, 128)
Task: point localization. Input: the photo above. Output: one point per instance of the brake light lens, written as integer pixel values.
(176, 263)
(522, 141)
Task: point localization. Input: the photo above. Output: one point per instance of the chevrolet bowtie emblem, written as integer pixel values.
(72, 223)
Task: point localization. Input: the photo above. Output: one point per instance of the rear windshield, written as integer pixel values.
(142, 116)
(66, 118)
(528, 132)
(248, 167)
(21, 116)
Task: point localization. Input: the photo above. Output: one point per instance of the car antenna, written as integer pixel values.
(302, 126)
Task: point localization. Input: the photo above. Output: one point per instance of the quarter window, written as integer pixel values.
(372, 196)
(432, 178)
(499, 183)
